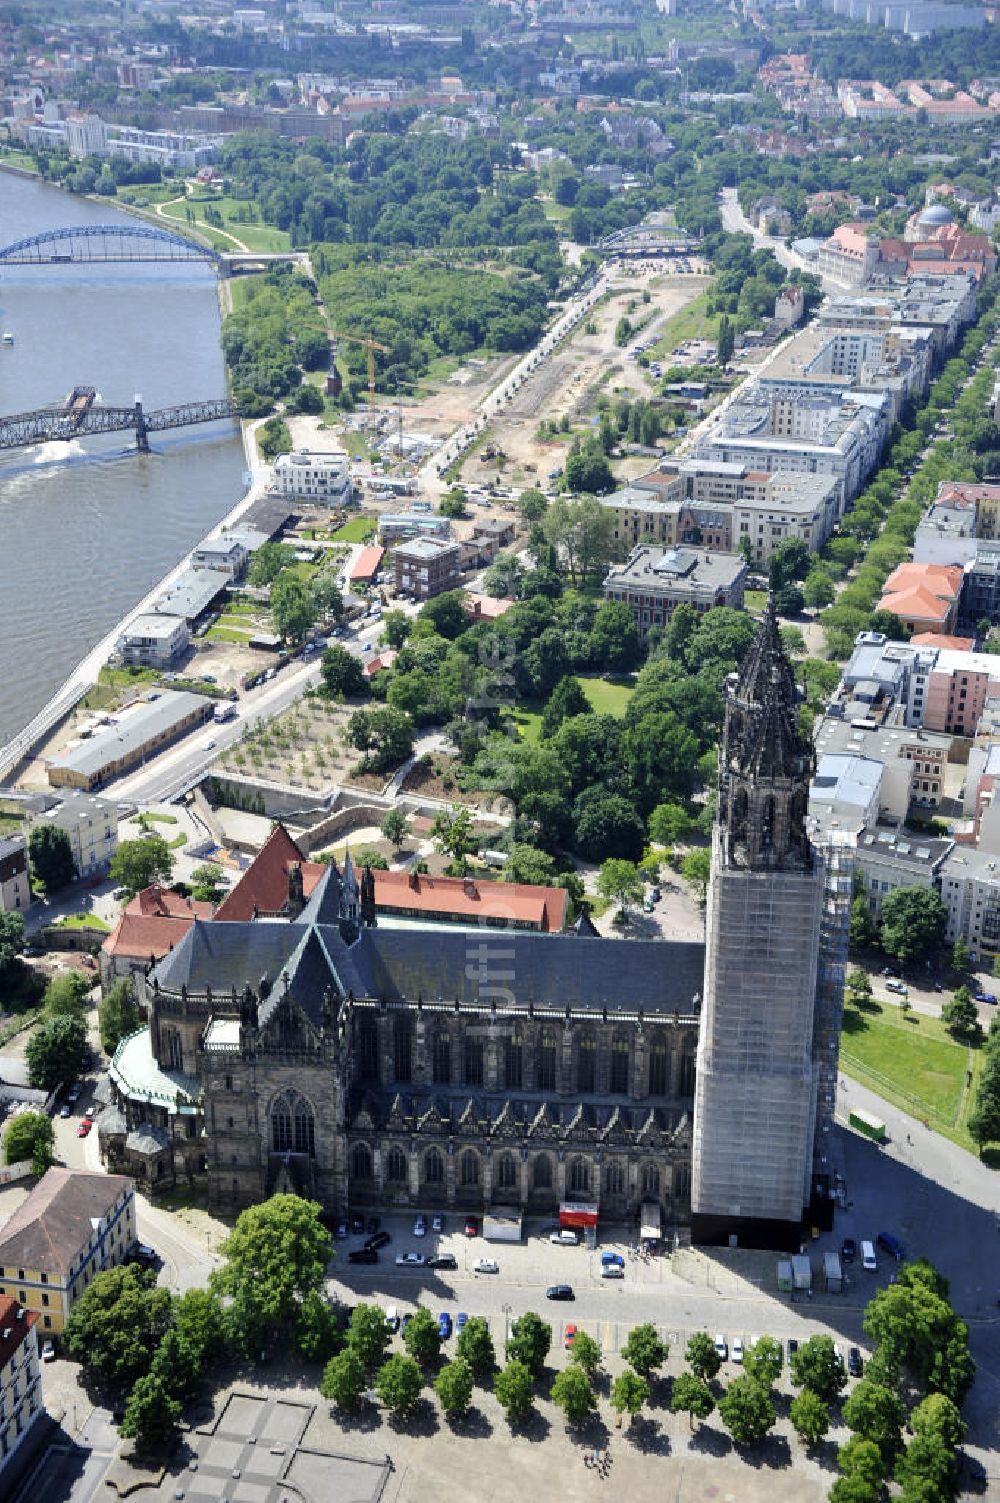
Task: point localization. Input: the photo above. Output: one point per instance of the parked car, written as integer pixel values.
(486, 1265)
(392, 1319)
(569, 1335)
(737, 1348)
(838, 1352)
(721, 1347)
(793, 1346)
(410, 1260)
(357, 1226)
(437, 1223)
(442, 1260)
(566, 1237)
(420, 1227)
(340, 1231)
(64, 1110)
(48, 1352)
(84, 1129)
(612, 1257)
(899, 987)
(379, 1239)
(363, 1255)
(444, 1325)
(74, 1093)
(855, 1363)
(461, 1321)
(471, 1226)
(891, 1245)
(612, 1271)
(560, 1291)
(848, 1250)
(985, 997)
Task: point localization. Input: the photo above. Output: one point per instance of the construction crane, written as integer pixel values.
(371, 345)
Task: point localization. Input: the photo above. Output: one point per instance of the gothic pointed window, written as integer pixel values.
(513, 1058)
(468, 1169)
(650, 1180)
(441, 1056)
(293, 1125)
(366, 1036)
(614, 1179)
(767, 826)
(506, 1172)
(657, 1065)
(433, 1167)
(619, 1064)
(541, 1172)
(586, 1065)
(361, 1161)
(473, 1061)
(395, 1167)
(579, 1178)
(172, 1050)
(403, 1047)
(546, 1064)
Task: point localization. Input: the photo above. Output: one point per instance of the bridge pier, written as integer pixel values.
(141, 431)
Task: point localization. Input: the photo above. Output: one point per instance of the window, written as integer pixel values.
(367, 1046)
(541, 1172)
(506, 1172)
(619, 1065)
(658, 1066)
(433, 1167)
(45, 1300)
(395, 1167)
(468, 1169)
(293, 1125)
(579, 1177)
(172, 1051)
(586, 1065)
(229, 1082)
(513, 1058)
(403, 1047)
(614, 1179)
(361, 1161)
(473, 1061)
(650, 1179)
(441, 1057)
(547, 1062)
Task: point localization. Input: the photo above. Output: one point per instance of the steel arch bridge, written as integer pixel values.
(86, 244)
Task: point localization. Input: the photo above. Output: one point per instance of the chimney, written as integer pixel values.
(471, 890)
(413, 881)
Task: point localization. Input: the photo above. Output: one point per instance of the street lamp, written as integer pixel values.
(506, 1323)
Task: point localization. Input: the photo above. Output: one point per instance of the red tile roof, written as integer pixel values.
(471, 898)
(941, 639)
(162, 902)
(367, 564)
(137, 936)
(264, 884)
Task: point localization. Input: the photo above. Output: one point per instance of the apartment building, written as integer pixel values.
(924, 596)
(324, 479)
(21, 1402)
(153, 641)
(937, 688)
(72, 1226)
(91, 825)
(970, 890)
(15, 887)
(913, 761)
(426, 567)
(654, 581)
(889, 858)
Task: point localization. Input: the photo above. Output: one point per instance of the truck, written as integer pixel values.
(869, 1126)
(802, 1275)
(785, 1281)
(224, 712)
(832, 1273)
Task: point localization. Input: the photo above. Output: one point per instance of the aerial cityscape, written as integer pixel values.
(499, 726)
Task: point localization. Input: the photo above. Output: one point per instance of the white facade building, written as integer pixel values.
(153, 641)
(91, 824)
(306, 475)
(21, 1403)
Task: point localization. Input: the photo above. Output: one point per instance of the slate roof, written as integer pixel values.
(226, 955)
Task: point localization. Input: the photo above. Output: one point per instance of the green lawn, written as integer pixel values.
(605, 697)
(82, 921)
(693, 322)
(257, 237)
(230, 634)
(914, 1063)
(357, 530)
(754, 601)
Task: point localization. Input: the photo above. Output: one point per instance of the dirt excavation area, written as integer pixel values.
(568, 384)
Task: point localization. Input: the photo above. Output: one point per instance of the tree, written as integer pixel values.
(526, 864)
(614, 638)
(984, 1119)
(118, 1015)
(914, 1327)
(725, 341)
(932, 1455)
(276, 1255)
(396, 627)
(816, 1365)
(817, 589)
(859, 987)
(607, 824)
(763, 1361)
(199, 1321)
(529, 1341)
(395, 827)
(619, 882)
(29, 1136)
(398, 1384)
(629, 1392)
(65, 996)
(669, 824)
(475, 1345)
(862, 930)
(317, 1329)
(566, 700)
(368, 1335)
(151, 1414)
(861, 1458)
(644, 1350)
(746, 1411)
(177, 1365)
(452, 833)
(137, 864)
(11, 947)
(344, 1379)
(810, 1417)
(515, 1390)
(342, 673)
(384, 735)
(532, 504)
(696, 869)
(691, 1395)
(422, 1338)
(117, 1324)
(207, 883)
(453, 1386)
(857, 1490)
(961, 1016)
(56, 1052)
(789, 562)
(572, 1392)
(293, 608)
(585, 1352)
(452, 505)
(327, 595)
(701, 1356)
(51, 857)
(875, 1413)
(268, 562)
(913, 923)
(960, 957)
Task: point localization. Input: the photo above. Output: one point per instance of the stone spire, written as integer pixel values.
(765, 762)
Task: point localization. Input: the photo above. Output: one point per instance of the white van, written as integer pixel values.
(868, 1262)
